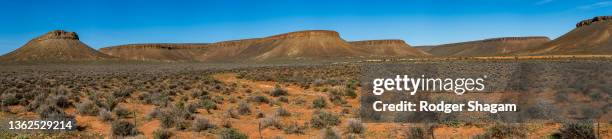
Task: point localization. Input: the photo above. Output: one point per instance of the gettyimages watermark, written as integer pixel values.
(510, 92)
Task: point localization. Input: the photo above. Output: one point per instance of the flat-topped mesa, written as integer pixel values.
(507, 39)
(379, 42)
(593, 20)
(58, 34)
(233, 42)
(168, 46)
(503, 40)
(306, 34)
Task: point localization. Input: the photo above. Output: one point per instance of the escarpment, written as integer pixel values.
(593, 20)
(389, 48)
(488, 47)
(591, 37)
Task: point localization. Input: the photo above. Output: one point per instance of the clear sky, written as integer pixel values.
(102, 23)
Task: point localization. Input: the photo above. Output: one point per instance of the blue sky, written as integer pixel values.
(102, 23)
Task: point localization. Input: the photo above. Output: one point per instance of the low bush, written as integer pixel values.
(504, 131)
(416, 133)
(271, 122)
(52, 111)
(577, 130)
(231, 133)
(124, 128)
(243, 109)
(259, 99)
(162, 134)
(355, 126)
(105, 115)
(9, 99)
(278, 91)
(62, 101)
(87, 108)
(122, 112)
(294, 128)
(319, 102)
(329, 133)
(324, 119)
(202, 124)
(282, 112)
(208, 105)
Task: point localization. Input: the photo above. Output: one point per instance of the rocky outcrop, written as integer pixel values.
(593, 20)
(58, 34)
(57, 45)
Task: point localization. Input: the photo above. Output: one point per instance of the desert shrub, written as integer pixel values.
(231, 133)
(162, 134)
(282, 112)
(283, 99)
(202, 124)
(51, 111)
(355, 126)
(124, 128)
(154, 113)
(182, 124)
(87, 108)
(329, 133)
(319, 102)
(243, 109)
(416, 133)
(231, 113)
(577, 130)
(122, 112)
(336, 97)
(123, 92)
(260, 114)
(271, 122)
(38, 100)
(9, 99)
(166, 119)
(259, 99)
(105, 115)
(350, 93)
(278, 91)
(208, 105)
(191, 108)
(324, 119)
(504, 131)
(294, 128)
(62, 101)
(110, 103)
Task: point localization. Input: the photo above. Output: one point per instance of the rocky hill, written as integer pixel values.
(590, 37)
(57, 45)
(488, 47)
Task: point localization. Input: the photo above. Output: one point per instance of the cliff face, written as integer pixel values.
(389, 48)
(592, 36)
(57, 45)
(593, 20)
(488, 47)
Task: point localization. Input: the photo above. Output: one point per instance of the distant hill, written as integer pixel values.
(592, 36)
(56, 45)
(487, 47)
(392, 48)
(300, 45)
